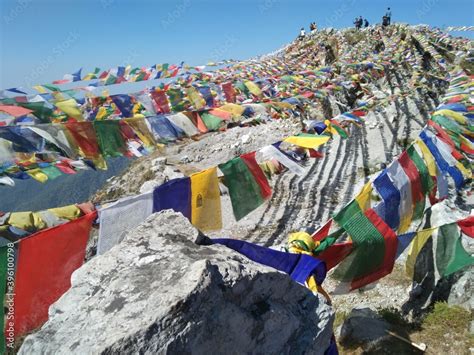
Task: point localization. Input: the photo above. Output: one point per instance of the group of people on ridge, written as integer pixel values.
(312, 27)
(359, 22)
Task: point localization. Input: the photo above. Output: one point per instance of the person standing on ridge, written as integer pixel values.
(388, 15)
(366, 23)
(302, 34)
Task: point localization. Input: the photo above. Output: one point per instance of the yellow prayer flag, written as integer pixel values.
(414, 249)
(29, 221)
(66, 212)
(141, 130)
(428, 157)
(363, 198)
(307, 142)
(70, 108)
(40, 89)
(253, 88)
(206, 212)
(196, 99)
(37, 174)
(452, 114)
(234, 109)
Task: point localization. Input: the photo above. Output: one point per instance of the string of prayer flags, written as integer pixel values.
(206, 212)
(448, 250)
(270, 152)
(46, 261)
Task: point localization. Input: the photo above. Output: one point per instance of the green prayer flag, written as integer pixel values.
(369, 249)
(110, 80)
(344, 215)
(51, 172)
(450, 253)
(109, 136)
(245, 193)
(212, 122)
(51, 87)
(427, 182)
(39, 109)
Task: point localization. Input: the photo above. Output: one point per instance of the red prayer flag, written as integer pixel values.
(161, 101)
(323, 232)
(46, 261)
(467, 226)
(229, 92)
(200, 124)
(260, 178)
(333, 255)
(412, 172)
(359, 113)
(85, 137)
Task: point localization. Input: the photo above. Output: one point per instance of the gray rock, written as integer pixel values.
(462, 291)
(363, 325)
(158, 292)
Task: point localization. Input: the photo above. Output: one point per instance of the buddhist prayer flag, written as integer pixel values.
(244, 191)
(70, 108)
(163, 129)
(207, 95)
(124, 104)
(46, 261)
(374, 250)
(450, 253)
(174, 195)
(229, 92)
(299, 266)
(121, 216)
(260, 178)
(23, 139)
(161, 101)
(177, 99)
(110, 139)
(206, 201)
(196, 100)
(183, 122)
(212, 122)
(306, 140)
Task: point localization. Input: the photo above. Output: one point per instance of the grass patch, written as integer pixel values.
(393, 316)
(340, 318)
(443, 318)
(446, 330)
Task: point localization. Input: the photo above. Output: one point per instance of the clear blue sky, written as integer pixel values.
(41, 40)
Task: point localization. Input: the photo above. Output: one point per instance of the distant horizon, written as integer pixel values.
(193, 31)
